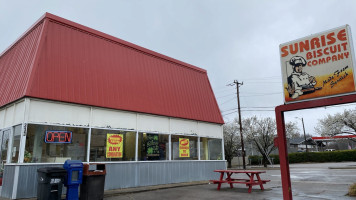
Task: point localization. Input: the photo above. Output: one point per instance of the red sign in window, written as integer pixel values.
(58, 137)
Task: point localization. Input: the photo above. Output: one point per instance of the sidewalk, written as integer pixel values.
(309, 181)
(111, 193)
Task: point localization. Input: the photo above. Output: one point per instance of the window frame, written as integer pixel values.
(87, 155)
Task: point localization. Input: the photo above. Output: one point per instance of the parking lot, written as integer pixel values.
(309, 181)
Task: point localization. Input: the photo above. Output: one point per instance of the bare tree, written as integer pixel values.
(292, 130)
(331, 125)
(231, 141)
(261, 133)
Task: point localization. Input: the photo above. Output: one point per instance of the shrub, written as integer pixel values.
(255, 160)
(275, 159)
(329, 156)
(317, 157)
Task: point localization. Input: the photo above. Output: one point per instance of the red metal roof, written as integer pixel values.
(64, 61)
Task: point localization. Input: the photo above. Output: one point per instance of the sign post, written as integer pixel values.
(317, 71)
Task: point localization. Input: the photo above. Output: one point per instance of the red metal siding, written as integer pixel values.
(15, 65)
(80, 65)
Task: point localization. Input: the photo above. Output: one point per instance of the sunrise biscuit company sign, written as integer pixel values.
(319, 65)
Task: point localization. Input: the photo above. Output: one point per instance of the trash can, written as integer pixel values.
(93, 184)
(50, 182)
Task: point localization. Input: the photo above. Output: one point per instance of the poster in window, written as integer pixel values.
(184, 148)
(152, 145)
(114, 145)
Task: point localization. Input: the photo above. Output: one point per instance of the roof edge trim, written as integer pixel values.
(216, 103)
(38, 50)
(28, 31)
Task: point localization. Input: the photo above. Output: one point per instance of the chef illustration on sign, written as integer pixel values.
(299, 82)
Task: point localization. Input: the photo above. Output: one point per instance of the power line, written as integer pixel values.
(220, 91)
(225, 96)
(259, 92)
(340, 105)
(244, 108)
(229, 113)
(248, 111)
(267, 77)
(258, 110)
(227, 101)
(228, 110)
(262, 94)
(253, 94)
(264, 82)
(261, 107)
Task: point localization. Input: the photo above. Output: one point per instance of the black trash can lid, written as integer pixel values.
(52, 170)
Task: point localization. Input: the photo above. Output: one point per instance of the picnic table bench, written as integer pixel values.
(250, 181)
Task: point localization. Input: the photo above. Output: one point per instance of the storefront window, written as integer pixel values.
(16, 144)
(55, 144)
(111, 145)
(153, 146)
(4, 141)
(184, 147)
(210, 149)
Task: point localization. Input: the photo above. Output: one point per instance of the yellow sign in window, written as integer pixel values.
(114, 145)
(184, 148)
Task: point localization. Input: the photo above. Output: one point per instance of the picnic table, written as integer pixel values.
(253, 178)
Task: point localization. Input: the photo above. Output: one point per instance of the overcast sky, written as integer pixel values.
(232, 40)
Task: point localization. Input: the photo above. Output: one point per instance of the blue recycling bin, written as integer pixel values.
(74, 178)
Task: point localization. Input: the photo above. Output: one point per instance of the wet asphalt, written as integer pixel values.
(309, 181)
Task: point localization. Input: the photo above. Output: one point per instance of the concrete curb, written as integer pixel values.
(342, 167)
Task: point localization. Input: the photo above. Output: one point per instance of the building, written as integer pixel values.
(300, 145)
(71, 92)
(341, 141)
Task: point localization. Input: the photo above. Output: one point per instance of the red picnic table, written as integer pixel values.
(251, 181)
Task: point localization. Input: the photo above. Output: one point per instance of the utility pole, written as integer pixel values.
(305, 138)
(239, 109)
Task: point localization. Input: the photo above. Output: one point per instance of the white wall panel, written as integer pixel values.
(152, 123)
(2, 118)
(19, 113)
(12, 114)
(181, 126)
(9, 116)
(58, 113)
(41, 111)
(210, 130)
(113, 119)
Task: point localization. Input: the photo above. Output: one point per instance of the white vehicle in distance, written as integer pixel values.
(329, 149)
